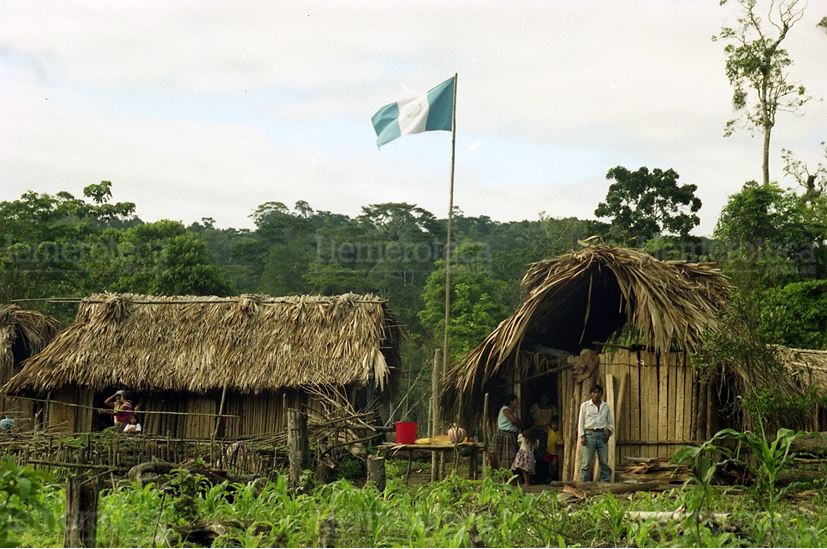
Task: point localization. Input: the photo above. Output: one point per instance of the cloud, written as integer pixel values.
(201, 108)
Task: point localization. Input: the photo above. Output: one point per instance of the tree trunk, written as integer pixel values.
(376, 472)
(296, 444)
(81, 515)
(766, 157)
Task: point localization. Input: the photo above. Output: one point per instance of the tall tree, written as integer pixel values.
(644, 204)
(765, 237)
(478, 300)
(45, 240)
(758, 68)
(160, 258)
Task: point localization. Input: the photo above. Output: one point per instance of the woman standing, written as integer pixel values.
(508, 425)
(122, 408)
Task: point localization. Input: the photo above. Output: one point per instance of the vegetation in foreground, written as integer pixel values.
(451, 513)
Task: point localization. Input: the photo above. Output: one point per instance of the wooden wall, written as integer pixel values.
(74, 419)
(658, 404)
(195, 415)
(23, 411)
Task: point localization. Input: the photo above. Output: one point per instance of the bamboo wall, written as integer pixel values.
(23, 411)
(658, 404)
(78, 418)
(190, 416)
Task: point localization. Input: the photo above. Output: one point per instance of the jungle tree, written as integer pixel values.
(757, 67)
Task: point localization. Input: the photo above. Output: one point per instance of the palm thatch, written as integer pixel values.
(587, 296)
(807, 367)
(22, 334)
(249, 344)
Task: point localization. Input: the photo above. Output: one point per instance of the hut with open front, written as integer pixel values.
(22, 334)
(189, 359)
(605, 315)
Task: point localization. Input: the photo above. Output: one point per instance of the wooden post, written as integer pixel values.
(296, 437)
(612, 402)
(376, 472)
(220, 411)
(322, 472)
(693, 409)
(710, 425)
(435, 425)
(576, 460)
(473, 460)
(485, 434)
(619, 418)
(81, 515)
(284, 408)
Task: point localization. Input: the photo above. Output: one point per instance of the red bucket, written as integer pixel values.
(405, 432)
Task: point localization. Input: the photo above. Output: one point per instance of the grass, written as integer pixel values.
(451, 513)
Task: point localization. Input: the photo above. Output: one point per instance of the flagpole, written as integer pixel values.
(445, 350)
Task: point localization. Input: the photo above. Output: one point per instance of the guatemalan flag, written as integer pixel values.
(432, 111)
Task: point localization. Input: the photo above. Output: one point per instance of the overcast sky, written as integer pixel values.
(207, 109)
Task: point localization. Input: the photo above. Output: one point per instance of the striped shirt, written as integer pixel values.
(594, 417)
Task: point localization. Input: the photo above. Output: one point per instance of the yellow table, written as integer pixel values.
(437, 448)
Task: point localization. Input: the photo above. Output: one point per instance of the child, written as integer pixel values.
(133, 426)
(524, 463)
(552, 457)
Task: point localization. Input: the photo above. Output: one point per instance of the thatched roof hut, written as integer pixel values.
(586, 297)
(247, 344)
(807, 367)
(22, 334)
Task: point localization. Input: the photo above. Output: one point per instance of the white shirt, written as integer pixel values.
(592, 417)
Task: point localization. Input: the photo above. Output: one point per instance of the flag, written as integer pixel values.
(432, 111)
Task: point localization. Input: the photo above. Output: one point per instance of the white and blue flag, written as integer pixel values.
(432, 111)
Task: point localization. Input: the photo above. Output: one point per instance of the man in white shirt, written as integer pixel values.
(594, 427)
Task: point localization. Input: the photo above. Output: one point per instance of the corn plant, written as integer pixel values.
(766, 461)
(704, 460)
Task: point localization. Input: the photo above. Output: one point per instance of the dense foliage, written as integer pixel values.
(769, 240)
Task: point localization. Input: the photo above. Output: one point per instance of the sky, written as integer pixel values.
(202, 108)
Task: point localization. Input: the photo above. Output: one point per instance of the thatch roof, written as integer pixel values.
(807, 367)
(198, 344)
(22, 334)
(587, 296)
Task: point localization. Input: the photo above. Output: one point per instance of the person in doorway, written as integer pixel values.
(594, 427)
(508, 425)
(542, 411)
(122, 408)
(133, 427)
(552, 453)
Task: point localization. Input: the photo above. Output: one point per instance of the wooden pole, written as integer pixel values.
(81, 514)
(693, 409)
(445, 347)
(284, 408)
(710, 425)
(376, 472)
(435, 383)
(220, 411)
(296, 436)
(612, 402)
(485, 434)
(618, 411)
(435, 379)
